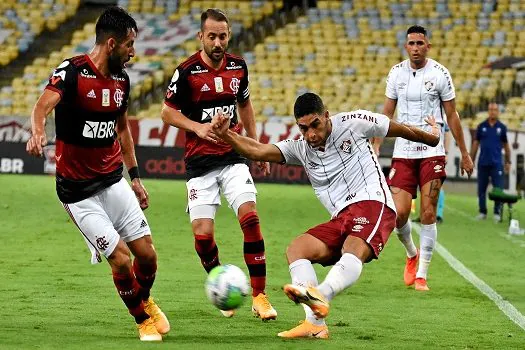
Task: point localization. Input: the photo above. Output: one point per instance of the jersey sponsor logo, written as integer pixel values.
(192, 195)
(98, 130)
(118, 96)
(369, 118)
(198, 70)
(91, 94)
(350, 196)
(346, 146)
(84, 73)
(218, 84)
(105, 98)
(401, 85)
(205, 87)
(234, 85)
(233, 66)
(115, 77)
(415, 148)
(208, 113)
(361, 220)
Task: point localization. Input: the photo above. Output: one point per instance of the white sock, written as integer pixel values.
(341, 276)
(303, 274)
(405, 236)
(427, 244)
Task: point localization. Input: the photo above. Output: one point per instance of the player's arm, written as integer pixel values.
(506, 148)
(454, 124)
(415, 134)
(130, 160)
(245, 146)
(388, 109)
(174, 117)
(45, 104)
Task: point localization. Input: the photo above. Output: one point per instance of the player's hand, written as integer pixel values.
(376, 147)
(220, 124)
(507, 168)
(205, 131)
(435, 129)
(36, 143)
(140, 193)
(466, 165)
(264, 167)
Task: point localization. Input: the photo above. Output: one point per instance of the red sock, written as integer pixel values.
(207, 251)
(145, 275)
(254, 252)
(129, 291)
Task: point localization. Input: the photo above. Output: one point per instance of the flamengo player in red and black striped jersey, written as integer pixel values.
(208, 82)
(90, 95)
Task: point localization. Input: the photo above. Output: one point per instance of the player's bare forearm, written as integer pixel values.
(507, 153)
(252, 149)
(454, 125)
(126, 143)
(45, 104)
(246, 115)
(173, 117)
(474, 149)
(413, 133)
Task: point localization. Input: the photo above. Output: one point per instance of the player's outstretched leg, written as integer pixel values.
(254, 256)
(129, 291)
(310, 296)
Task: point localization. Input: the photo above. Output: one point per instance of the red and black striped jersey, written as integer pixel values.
(199, 92)
(88, 155)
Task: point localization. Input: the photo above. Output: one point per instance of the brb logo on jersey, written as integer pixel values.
(98, 130)
(208, 113)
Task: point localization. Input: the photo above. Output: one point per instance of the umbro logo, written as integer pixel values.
(249, 182)
(143, 224)
(91, 94)
(205, 87)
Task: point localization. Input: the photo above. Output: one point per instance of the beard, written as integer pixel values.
(215, 55)
(115, 64)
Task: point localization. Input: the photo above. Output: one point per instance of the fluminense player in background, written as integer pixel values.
(347, 179)
(419, 87)
(89, 94)
(209, 81)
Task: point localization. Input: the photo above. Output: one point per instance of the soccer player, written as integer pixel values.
(90, 95)
(492, 136)
(347, 179)
(419, 87)
(210, 81)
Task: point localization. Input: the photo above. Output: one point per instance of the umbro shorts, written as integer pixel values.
(408, 174)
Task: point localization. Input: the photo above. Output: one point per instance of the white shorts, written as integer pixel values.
(108, 216)
(233, 181)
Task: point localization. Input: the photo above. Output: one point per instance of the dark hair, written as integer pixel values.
(216, 15)
(308, 103)
(114, 22)
(417, 29)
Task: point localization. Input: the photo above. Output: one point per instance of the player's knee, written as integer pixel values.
(202, 227)
(120, 260)
(428, 216)
(401, 219)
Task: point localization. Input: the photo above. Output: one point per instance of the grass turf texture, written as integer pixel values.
(53, 298)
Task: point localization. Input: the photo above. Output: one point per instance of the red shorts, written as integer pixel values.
(371, 221)
(407, 174)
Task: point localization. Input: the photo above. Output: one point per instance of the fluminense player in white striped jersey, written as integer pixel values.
(346, 176)
(419, 87)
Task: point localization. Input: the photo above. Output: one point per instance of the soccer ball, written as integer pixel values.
(226, 287)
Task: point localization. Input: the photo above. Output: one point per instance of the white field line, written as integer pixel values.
(507, 308)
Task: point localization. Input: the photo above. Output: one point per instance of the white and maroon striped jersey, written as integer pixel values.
(419, 94)
(347, 170)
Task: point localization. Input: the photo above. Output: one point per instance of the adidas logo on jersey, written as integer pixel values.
(143, 224)
(205, 87)
(91, 94)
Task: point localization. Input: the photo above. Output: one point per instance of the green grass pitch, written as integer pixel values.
(52, 298)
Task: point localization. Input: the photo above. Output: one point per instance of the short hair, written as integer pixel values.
(216, 15)
(417, 29)
(308, 103)
(114, 22)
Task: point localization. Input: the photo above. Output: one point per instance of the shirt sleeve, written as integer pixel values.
(291, 151)
(178, 92)
(125, 99)
(446, 88)
(391, 91)
(63, 79)
(504, 135)
(244, 92)
(367, 124)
